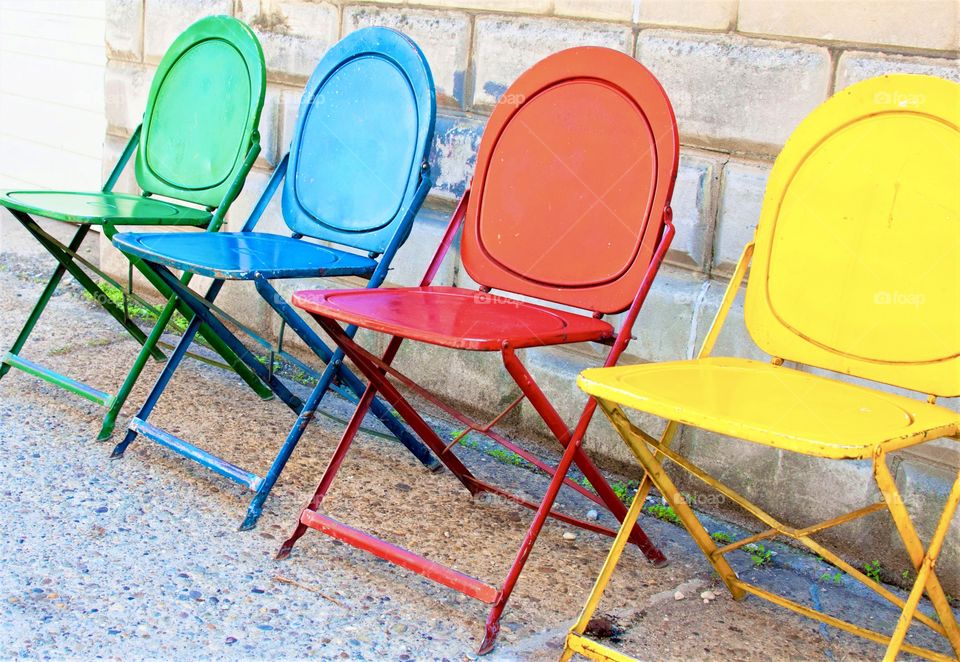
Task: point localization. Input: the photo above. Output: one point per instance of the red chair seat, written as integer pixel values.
(454, 317)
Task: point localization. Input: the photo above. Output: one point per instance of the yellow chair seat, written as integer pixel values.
(773, 405)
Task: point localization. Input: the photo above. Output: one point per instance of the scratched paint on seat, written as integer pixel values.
(242, 255)
(768, 404)
(454, 317)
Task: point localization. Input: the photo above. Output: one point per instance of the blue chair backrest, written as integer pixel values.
(361, 142)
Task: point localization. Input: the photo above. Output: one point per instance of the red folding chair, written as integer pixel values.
(570, 205)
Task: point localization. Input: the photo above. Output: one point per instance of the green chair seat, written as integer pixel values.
(98, 208)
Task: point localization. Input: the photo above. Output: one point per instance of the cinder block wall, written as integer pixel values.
(741, 75)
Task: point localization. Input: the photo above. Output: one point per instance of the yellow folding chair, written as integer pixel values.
(856, 270)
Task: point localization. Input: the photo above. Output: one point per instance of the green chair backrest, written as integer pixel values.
(202, 113)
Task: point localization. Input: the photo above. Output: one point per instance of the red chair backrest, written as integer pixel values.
(574, 173)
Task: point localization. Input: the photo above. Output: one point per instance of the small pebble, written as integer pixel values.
(569, 535)
(593, 515)
(678, 595)
(708, 596)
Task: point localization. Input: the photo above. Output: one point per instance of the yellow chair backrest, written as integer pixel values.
(857, 260)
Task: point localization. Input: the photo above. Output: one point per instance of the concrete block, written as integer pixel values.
(555, 369)
(124, 30)
(694, 209)
(699, 14)
(741, 199)
(240, 300)
(751, 469)
(913, 23)
(734, 339)
(164, 20)
(289, 112)
(295, 35)
(528, 6)
(924, 488)
(454, 155)
(605, 10)
(665, 329)
(272, 219)
(855, 66)
(772, 85)
(849, 485)
(414, 256)
(474, 382)
(444, 38)
(115, 264)
(505, 47)
(292, 343)
(126, 87)
(943, 452)
(271, 139)
(113, 147)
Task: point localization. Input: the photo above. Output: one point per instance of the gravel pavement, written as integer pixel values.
(140, 558)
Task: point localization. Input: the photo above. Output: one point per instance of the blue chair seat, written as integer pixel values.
(99, 208)
(242, 255)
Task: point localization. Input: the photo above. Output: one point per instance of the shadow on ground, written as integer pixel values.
(141, 557)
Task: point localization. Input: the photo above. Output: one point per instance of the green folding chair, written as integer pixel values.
(197, 142)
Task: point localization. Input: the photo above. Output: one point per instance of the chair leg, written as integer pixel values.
(44, 299)
(380, 383)
(335, 358)
(606, 572)
(210, 320)
(219, 346)
(110, 420)
(333, 466)
(290, 443)
(658, 475)
(179, 352)
(559, 429)
(533, 532)
(923, 561)
(573, 453)
(378, 380)
(57, 251)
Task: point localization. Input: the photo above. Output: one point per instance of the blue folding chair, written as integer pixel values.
(356, 175)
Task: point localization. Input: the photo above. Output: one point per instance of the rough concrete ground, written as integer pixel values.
(140, 558)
